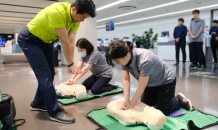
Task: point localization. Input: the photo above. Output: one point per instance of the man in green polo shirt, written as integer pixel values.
(59, 20)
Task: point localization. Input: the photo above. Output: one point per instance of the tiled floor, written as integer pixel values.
(19, 81)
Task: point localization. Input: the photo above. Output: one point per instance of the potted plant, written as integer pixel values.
(146, 39)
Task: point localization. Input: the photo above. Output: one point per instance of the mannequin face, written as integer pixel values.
(78, 17)
(124, 60)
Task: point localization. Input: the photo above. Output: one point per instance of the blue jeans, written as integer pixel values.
(41, 58)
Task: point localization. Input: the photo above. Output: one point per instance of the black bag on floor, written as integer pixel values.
(8, 113)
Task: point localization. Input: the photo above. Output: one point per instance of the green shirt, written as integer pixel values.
(54, 16)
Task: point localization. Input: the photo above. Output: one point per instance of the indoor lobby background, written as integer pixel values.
(128, 16)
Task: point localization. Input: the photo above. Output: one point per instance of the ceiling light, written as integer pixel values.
(112, 4)
(155, 7)
(127, 8)
(157, 16)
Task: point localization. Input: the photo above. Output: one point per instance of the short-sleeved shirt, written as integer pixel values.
(146, 63)
(195, 26)
(54, 16)
(99, 68)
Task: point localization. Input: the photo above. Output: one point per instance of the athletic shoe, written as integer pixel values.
(184, 102)
(200, 67)
(34, 107)
(63, 117)
(184, 64)
(176, 64)
(113, 86)
(192, 66)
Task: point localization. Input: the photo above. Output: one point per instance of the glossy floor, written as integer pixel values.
(19, 81)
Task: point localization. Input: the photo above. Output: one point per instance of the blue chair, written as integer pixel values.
(16, 49)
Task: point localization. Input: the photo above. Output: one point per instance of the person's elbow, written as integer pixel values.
(72, 40)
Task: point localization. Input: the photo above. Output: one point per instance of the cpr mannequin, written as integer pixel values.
(77, 90)
(139, 114)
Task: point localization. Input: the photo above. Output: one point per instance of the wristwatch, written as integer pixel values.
(70, 65)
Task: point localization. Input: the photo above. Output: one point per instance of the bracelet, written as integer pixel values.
(70, 64)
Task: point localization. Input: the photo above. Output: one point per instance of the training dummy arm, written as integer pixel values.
(139, 114)
(77, 90)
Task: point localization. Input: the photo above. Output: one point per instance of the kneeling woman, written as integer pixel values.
(156, 79)
(95, 62)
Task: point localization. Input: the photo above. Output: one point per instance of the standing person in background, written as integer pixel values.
(214, 42)
(196, 31)
(189, 45)
(179, 34)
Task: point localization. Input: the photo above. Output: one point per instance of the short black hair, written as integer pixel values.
(118, 49)
(181, 19)
(215, 21)
(196, 11)
(85, 6)
(85, 44)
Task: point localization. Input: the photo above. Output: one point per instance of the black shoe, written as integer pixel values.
(205, 66)
(113, 86)
(7, 122)
(63, 117)
(192, 66)
(176, 64)
(200, 67)
(34, 107)
(184, 102)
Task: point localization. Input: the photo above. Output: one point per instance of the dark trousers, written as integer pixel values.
(214, 48)
(182, 46)
(190, 53)
(198, 54)
(97, 85)
(41, 58)
(163, 97)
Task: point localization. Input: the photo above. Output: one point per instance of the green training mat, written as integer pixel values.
(89, 97)
(192, 120)
(1, 125)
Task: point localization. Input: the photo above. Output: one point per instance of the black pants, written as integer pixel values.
(198, 54)
(182, 46)
(163, 97)
(41, 58)
(214, 48)
(190, 53)
(97, 85)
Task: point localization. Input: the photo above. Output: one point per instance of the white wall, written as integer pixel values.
(159, 25)
(88, 30)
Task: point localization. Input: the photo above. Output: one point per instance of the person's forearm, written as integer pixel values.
(126, 89)
(190, 31)
(67, 51)
(143, 81)
(80, 75)
(137, 95)
(72, 46)
(199, 32)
